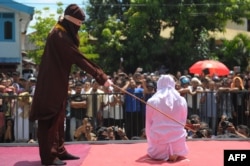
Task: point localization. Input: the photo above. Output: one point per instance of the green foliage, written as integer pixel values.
(131, 29)
(106, 24)
(202, 45)
(143, 35)
(142, 22)
(44, 23)
(237, 51)
(189, 42)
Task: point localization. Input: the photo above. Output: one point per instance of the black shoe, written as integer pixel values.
(55, 162)
(68, 156)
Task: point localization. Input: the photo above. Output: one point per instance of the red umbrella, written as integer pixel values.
(212, 67)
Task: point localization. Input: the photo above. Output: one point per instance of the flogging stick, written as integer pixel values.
(163, 113)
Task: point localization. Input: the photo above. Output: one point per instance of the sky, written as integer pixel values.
(40, 4)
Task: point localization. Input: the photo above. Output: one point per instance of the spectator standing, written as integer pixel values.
(6, 112)
(22, 117)
(95, 103)
(247, 87)
(71, 91)
(86, 87)
(7, 106)
(27, 70)
(239, 100)
(183, 86)
(116, 106)
(193, 97)
(133, 109)
(106, 107)
(224, 100)
(23, 85)
(148, 91)
(15, 83)
(208, 102)
(83, 76)
(78, 109)
(32, 85)
(32, 125)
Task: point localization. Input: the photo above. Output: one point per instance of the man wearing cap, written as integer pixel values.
(49, 102)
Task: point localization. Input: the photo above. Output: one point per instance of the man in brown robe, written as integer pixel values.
(49, 102)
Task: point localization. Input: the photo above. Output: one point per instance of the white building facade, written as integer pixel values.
(14, 20)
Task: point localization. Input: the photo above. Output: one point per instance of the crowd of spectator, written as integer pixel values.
(218, 106)
(16, 97)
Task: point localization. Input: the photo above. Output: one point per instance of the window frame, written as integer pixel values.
(5, 18)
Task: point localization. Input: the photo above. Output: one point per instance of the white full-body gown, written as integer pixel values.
(166, 137)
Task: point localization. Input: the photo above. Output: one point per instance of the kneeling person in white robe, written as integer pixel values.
(166, 137)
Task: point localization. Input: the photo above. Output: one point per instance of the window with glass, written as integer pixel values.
(7, 21)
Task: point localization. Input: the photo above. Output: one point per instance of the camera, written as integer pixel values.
(87, 128)
(194, 121)
(199, 134)
(225, 124)
(115, 128)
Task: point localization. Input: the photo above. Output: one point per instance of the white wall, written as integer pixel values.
(232, 25)
(12, 49)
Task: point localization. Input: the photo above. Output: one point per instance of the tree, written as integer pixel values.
(105, 24)
(237, 51)
(189, 18)
(42, 26)
(44, 23)
(131, 30)
(143, 20)
(138, 32)
(144, 45)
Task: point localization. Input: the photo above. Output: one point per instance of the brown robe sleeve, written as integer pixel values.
(51, 92)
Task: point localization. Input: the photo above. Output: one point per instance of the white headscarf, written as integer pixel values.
(166, 90)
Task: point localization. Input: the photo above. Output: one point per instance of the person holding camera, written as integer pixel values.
(203, 133)
(116, 133)
(121, 134)
(226, 129)
(194, 124)
(84, 132)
